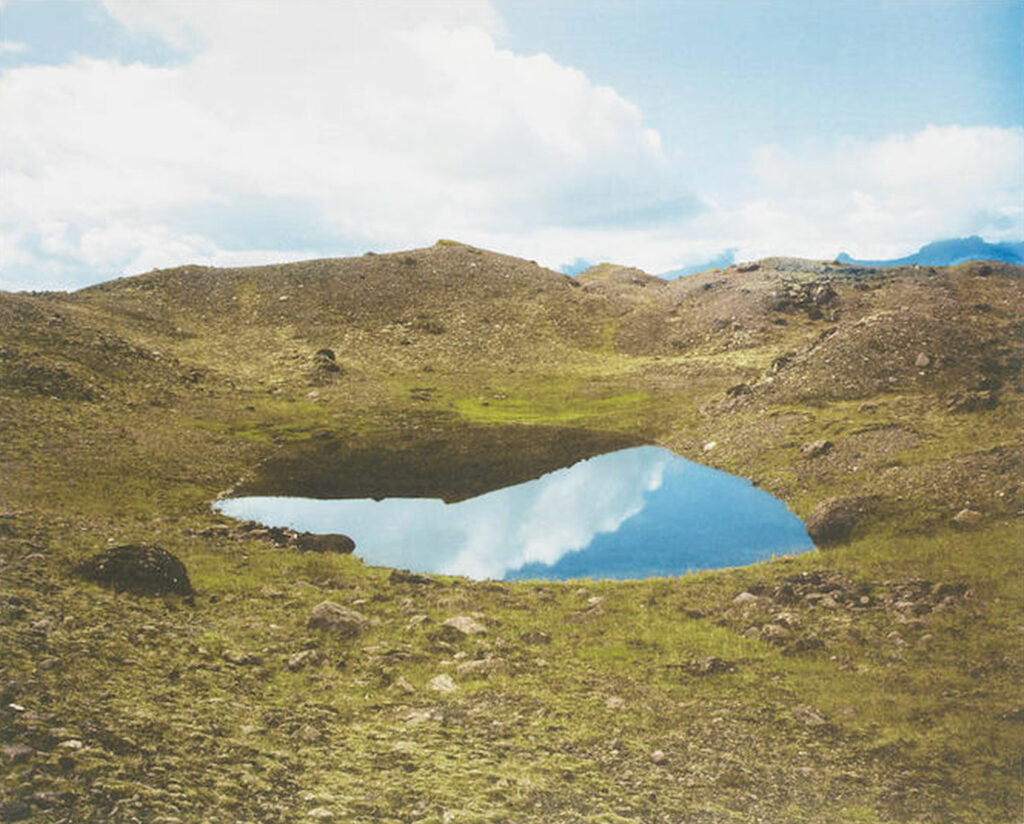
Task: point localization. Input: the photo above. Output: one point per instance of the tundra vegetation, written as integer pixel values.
(877, 679)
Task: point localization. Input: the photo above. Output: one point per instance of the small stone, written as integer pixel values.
(815, 449)
(320, 814)
(809, 715)
(71, 744)
(481, 666)
(308, 733)
(709, 446)
(16, 753)
(337, 619)
(658, 757)
(967, 517)
(459, 627)
(922, 360)
(306, 658)
(775, 634)
(443, 683)
(535, 637)
(403, 685)
(745, 598)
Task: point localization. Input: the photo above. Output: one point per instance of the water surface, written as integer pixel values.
(635, 513)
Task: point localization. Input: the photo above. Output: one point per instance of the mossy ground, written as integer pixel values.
(595, 706)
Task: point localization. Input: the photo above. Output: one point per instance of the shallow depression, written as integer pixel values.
(634, 513)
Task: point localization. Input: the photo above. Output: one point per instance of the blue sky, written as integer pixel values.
(662, 135)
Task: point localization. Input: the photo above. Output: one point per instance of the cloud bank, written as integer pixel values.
(304, 129)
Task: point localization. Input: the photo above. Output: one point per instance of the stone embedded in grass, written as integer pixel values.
(442, 683)
(967, 517)
(459, 627)
(815, 448)
(337, 619)
(143, 570)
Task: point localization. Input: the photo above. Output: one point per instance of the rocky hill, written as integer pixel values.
(875, 680)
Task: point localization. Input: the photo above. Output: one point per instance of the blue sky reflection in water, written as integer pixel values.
(636, 513)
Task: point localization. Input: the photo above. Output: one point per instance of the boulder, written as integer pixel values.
(833, 520)
(144, 570)
(337, 619)
(330, 542)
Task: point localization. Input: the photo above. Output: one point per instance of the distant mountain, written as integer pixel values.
(949, 253)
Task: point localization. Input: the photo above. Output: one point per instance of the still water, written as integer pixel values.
(636, 513)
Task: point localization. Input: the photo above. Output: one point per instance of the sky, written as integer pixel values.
(665, 135)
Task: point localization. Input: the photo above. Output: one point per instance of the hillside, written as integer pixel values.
(875, 680)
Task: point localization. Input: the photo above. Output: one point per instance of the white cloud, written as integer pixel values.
(395, 123)
(13, 47)
(307, 128)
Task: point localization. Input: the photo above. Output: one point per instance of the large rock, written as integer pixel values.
(337, 619)
(833, 520)
(459, 627)
(144, 570)
(329, 542)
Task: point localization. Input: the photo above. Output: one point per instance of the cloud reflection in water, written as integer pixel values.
(598, 518)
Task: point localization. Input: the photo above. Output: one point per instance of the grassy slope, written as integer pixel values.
(129, 407)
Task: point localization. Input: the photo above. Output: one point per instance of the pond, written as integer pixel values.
(634, 513)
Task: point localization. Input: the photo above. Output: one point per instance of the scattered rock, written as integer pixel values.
(658, 757)
(72, 744)
(242, 659)
(745, 598)
(144, 570)
(833, 520)
(306, 658)
(971, 401)
(808, 715)
(308, 734)
(481, 666)
(775, 634)
(707, 666)
(337, 619)
(967, 517)
(815, 449)
(922, 360)
(17, 753)
(442, 683)
(709, 446)
(320, 814)
(403, 685)
(324, 362)
(459, 627)
(535, 637)
(328, 542)
(403, 576)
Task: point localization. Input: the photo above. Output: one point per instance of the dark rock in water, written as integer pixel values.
(330, 542)
(335, 618)
(144, 570)
(833, 520)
